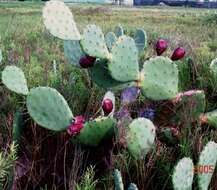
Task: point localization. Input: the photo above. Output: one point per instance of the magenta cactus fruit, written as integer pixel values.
(178, 53)
(161, 46)
(87, 61)
(76, 125)
(107, 106)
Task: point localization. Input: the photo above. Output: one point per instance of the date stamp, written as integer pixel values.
(203, 169)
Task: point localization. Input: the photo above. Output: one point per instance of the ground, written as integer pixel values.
(25, 43)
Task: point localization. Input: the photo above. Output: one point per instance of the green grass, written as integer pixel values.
(25, 43)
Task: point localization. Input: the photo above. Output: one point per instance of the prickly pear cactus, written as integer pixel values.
(14, 79)
(73, 51)
(208, 157)
(213, 66)
(210, 118)
(93, 42)
(183, 175)
(124, 64)
(140, 39)
(101, 76)
(160, 80)
(18, 124)
(49, 109)
(95, 131)
(109, 95)
(110, 39)
(140, 137)
(118, 180)
(119, 31)
(59, 20)
(132, 186)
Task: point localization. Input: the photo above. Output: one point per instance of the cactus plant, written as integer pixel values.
(140, 137)
(118, 180)
(110, 39)
(95, 131)
(140, 39)
(208, 157)
(59, 20)
(210, 118)
(119, 31)
(160, 80)
(101, 76)
(132, 186)
(49, 109)
(183, 175)
(14, 79)
(124, 65)
(93, 42)
(213, 66)
(18, 124)
(73, 51)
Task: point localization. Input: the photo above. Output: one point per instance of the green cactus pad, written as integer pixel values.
(73, 51)
(208, 157)
(95, 131)
(49, 109)
(119, 31)
(110, 39)
(140, 39)
(132, 186)
(101, 76)
(140, 137)
(59, 20)
(14, 79)
(160, 79)
(18, 125)
(118, 180)
(211, 118)
(111, 96)
(124, 64)
(183, 175)
(213, 66)
(93, 42)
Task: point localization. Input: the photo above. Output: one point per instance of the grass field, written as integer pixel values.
(48, 160)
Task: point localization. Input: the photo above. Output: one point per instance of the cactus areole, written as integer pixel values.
(76, 125)
(161, 46)
(178, 53)
(87, 61)
(107, 106)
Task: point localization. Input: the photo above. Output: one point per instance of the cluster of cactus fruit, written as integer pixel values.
(113, 64)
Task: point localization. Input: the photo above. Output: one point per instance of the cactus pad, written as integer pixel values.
(101, 76)
(73, 51)
(211, 118)
(111, 96)
(95, 131)
(208, 157)
(183, 175)
(140, 39)
(119, 31)
(160, 79)
(140, 137)
(124, 64)
(110, 39)
(213, 66)
(59, 20)
(118, 180)
(14, 79)
(18, 125)
(132, 186)
(49, 109)
(93, 42)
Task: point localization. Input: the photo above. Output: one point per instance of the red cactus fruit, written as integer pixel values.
(178, 53)
(107, 106)
(161, 46)
(87, 61)
(76, 125)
